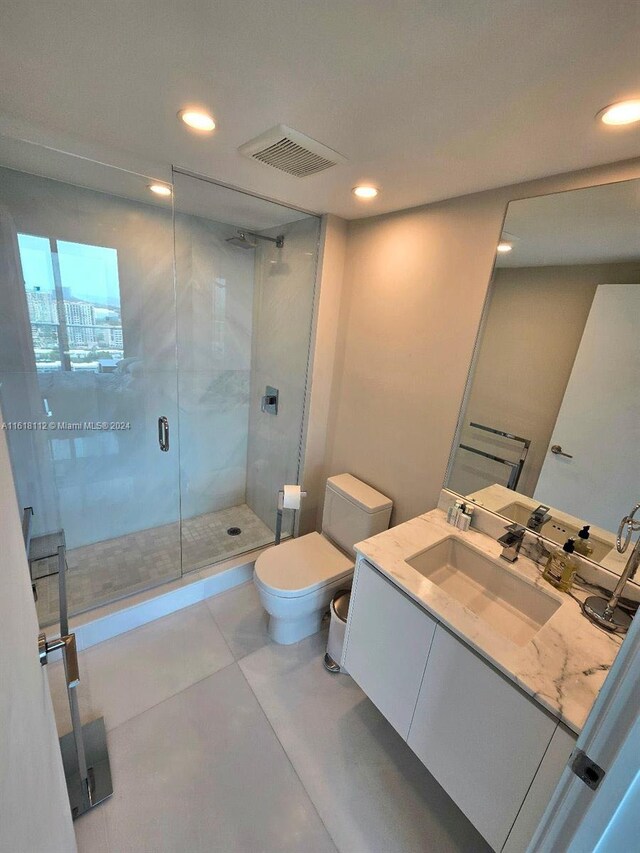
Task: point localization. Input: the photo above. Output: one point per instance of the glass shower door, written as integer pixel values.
(87, 368)
(245, 304)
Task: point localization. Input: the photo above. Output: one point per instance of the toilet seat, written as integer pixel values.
(300, 566)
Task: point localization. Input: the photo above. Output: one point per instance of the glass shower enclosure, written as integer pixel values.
(153, 368)
(245, 283)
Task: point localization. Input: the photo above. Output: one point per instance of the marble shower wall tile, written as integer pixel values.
(283, 311)
(215, 287)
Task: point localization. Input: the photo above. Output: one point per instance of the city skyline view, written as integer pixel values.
(87, 297)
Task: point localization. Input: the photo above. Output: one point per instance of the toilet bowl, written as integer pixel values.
(297, 579)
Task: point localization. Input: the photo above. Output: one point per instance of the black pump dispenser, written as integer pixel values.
(569, 545)
(584, 533)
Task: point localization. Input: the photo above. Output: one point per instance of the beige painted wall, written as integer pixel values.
(533, 329)
(34, 806)
(333, 242)
(414, 287)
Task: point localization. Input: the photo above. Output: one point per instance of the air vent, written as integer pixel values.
(291, 151)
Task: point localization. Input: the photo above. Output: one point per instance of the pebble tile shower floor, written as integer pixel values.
(106, 571)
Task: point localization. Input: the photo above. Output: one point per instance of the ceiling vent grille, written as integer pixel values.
(290, 151)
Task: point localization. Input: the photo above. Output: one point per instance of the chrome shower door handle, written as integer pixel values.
(163, 433)
(557, 450)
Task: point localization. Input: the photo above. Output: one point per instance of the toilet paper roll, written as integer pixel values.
(292, 497)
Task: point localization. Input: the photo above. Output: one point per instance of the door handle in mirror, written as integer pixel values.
(558, 451)
(163, 433)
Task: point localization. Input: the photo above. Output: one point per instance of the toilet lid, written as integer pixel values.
(299, 566)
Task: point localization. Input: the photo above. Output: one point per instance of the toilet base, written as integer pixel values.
(287, 631)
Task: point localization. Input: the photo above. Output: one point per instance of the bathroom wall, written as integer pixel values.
(282, 317)
(34, 805)
(333, 248)
(415, 283)
(528, 347)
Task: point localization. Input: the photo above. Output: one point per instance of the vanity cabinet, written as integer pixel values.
(387, 645)
(554, 762)
(495, 751)
(479, 735)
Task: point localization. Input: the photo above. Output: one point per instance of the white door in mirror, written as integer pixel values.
(600, 402)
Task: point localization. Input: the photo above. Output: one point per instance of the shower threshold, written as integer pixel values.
(115, 569)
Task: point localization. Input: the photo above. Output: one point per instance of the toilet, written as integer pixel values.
(297, 580)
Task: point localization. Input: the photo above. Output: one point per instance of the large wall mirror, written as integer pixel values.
(549, 431)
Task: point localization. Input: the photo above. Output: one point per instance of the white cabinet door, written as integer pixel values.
(480, 736)
(555, 760)
(388, 640)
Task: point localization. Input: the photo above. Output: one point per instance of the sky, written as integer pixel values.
(88, 273)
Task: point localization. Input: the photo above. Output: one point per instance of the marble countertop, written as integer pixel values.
(496, 497)
(563, 667)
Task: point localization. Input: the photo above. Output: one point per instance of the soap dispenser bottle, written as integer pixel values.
(561, 567)
(582, 545)
(454, 512)
(464, 519)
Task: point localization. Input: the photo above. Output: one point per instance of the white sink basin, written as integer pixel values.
(508, 603)
(555, 530)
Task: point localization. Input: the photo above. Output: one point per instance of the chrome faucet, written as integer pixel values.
(511, 542)
(538, 517)
(605, 613)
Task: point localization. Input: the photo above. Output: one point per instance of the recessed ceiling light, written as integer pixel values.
(365, 191)
(197, 120)
(160, 189)
(504, 247)
(624, 112)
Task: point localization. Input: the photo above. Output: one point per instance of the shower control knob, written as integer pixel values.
(269, 402)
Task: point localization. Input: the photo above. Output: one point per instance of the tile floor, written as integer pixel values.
(221, 740)
(109, 570)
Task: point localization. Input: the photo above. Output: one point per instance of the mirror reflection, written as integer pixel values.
(549, 430)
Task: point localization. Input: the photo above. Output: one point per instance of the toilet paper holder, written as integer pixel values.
(294, 494)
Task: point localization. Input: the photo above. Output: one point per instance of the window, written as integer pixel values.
(73, 299)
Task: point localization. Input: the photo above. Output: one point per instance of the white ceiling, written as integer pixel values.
(590, 226)
(428, 98)
(190, 195)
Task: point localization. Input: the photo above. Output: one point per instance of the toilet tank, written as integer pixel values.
(353, 511)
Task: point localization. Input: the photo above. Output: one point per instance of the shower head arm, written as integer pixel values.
(279, 240)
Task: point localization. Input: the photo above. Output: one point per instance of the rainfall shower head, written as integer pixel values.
(241, 240)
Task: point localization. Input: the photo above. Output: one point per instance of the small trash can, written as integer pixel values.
(338, 609)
